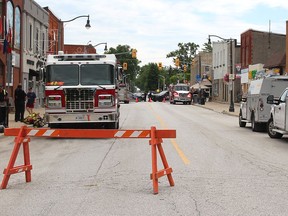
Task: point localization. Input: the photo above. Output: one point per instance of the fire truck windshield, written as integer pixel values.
(96, 74)
(90, 74)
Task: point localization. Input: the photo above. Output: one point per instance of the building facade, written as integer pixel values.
(11, 44)
(35, 42)
(226, 57)
(261, 53)
(24, 26)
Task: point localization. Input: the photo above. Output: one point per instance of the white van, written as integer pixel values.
(254, 108)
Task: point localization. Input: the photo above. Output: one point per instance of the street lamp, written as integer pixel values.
(231, 107)
(105, 49)
(87, 26)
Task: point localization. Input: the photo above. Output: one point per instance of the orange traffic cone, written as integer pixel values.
(136, 99)
(150, 99)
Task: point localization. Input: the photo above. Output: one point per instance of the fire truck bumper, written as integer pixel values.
(182, 99)
(53, 118)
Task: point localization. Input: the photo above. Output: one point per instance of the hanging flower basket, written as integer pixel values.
(226, 77)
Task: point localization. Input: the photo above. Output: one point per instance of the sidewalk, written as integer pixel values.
(221, 107)
(13, 124)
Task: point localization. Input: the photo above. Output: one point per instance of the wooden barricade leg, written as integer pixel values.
(27, 167)
(156, 144)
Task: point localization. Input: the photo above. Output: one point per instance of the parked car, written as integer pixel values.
(139, 95)
(160, 96)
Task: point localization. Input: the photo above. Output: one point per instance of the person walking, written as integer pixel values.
(19, 100)
(31, 96)
(3, 107)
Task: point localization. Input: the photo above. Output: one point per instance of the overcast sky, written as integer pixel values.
(155, 27)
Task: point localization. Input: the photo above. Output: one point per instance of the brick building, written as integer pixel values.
(258, 47)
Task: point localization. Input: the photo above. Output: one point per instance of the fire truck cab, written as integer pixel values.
(80, 90)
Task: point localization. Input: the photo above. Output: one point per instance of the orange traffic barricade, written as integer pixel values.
(23, 134)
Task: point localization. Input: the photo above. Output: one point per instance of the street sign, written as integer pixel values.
(231, 76)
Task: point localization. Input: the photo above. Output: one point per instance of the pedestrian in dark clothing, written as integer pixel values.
(19, 100)
(3, 107)
(149, 96)
(31, 96)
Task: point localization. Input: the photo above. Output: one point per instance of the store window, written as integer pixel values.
(17, 28)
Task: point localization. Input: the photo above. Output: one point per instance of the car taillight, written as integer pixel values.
(175, 94)
(105, 100)
(54, 101)
(189, 95)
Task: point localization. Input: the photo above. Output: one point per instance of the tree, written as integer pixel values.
(207, 47)
(123, 54)
(148, 77)
(185, 53)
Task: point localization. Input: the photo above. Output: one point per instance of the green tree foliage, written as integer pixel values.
(207, 47)
(185, 53)
(148, 77)
(123, 54)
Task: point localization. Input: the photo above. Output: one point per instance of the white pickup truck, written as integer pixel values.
(278, 122)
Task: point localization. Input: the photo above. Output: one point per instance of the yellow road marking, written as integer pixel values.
(183, 157)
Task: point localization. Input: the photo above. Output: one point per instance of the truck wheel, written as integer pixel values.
(271, 133)
(255, 126)
(241, 123)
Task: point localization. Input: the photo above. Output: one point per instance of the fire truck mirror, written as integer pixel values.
(42, 74)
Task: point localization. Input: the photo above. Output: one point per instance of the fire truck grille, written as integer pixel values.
(183, 94)
(79, 100)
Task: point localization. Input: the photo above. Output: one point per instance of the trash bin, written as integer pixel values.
(202, 101)
(195, 98)
(6, 120)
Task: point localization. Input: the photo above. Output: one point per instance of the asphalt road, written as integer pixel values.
(218, 169)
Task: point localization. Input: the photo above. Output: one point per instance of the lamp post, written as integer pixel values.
(105, 49)
(60, 27)
(163, 81)
(231, 107)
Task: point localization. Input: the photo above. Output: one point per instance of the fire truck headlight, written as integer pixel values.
(54, 101)
(105, 101)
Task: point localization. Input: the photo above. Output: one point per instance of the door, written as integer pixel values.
(280, 111)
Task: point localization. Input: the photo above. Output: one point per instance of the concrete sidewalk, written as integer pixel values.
(13, 124)
(221, 107)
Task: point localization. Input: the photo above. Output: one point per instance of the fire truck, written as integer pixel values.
(81, 91)
(180, 93)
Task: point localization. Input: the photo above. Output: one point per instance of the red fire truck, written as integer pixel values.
(81, 90)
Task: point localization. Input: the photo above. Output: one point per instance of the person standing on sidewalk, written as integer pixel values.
(3, 106)
(19, 100)
(31, 96)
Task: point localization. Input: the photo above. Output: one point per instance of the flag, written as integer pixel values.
(7, 44)
(1, 26)
(9, 40)
(4, 37)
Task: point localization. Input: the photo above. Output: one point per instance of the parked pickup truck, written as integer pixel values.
(278, 121)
